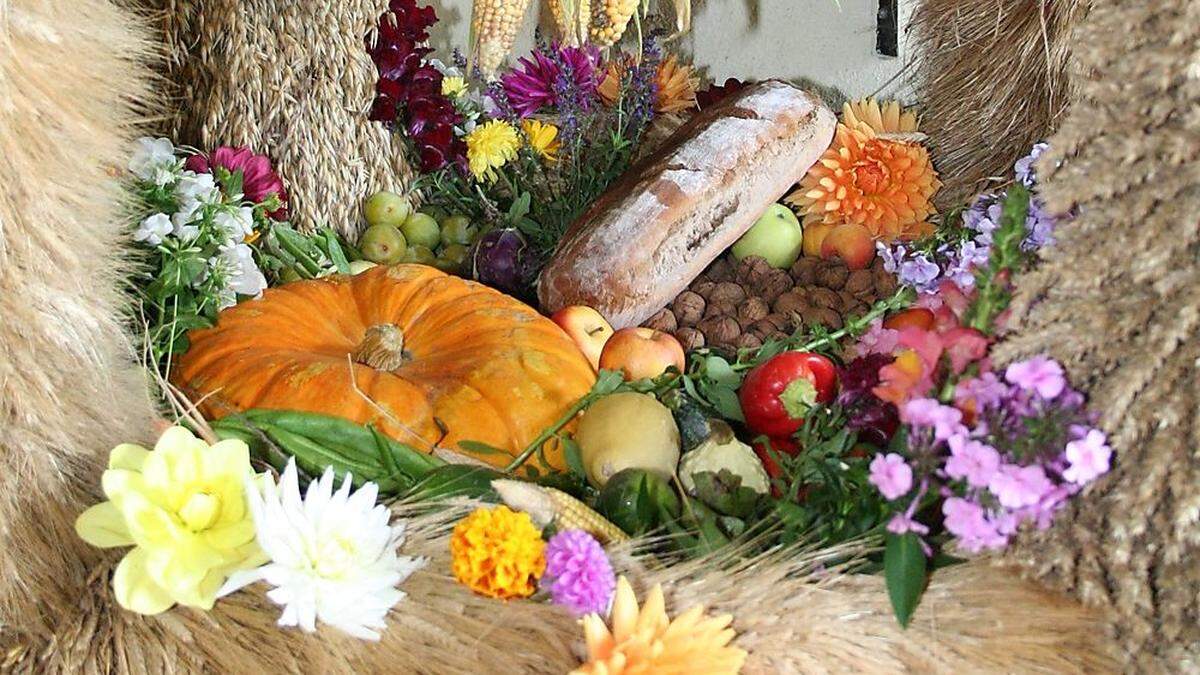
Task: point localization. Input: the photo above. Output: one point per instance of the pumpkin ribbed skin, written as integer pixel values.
(485, 366)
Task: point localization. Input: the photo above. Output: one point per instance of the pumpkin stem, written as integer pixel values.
(382, 348)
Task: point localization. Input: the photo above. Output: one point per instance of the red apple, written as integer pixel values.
(852, 243)
(641, 353)
(587, 327)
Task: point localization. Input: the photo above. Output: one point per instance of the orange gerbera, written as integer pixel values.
(644, 640)
(884, 185)
(675, 84)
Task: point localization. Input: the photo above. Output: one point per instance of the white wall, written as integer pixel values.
(829, 41)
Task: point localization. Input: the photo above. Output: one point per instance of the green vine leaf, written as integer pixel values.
(904, 571)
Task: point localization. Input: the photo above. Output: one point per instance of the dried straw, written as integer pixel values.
(1118, 301)
(992, 79)
(290, 78)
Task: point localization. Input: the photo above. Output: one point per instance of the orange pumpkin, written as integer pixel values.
(443, 359)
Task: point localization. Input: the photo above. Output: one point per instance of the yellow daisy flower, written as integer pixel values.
(489, 147)
(543, 138)
(453, 86)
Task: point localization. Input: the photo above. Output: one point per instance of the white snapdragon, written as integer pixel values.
(152, 230)
(236, 223)
(332, 553)
(154, 160)
(197, 187)
(241, 273)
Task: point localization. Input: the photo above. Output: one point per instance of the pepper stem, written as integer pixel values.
(382, 348)
(798, 398)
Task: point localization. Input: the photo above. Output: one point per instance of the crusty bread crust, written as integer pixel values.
(656, 229)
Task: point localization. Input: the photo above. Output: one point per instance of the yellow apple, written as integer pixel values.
(640, 353)
(587, 327)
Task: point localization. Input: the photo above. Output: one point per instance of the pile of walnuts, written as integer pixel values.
(735, 305)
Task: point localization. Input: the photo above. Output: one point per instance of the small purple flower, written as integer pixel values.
(972, 460)
(927, 412)
(969, 522)
(986, 391)
(918, 272)
(891, 475)
(1039, 374)
(578, 573)
(1089, 457)
(877, 340)
(1024, 166)
(902, 523)
(1019, 486)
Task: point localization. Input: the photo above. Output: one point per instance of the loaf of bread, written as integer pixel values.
(657, 228)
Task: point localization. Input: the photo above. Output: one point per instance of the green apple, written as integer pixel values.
(458, 230)
(421, 230)
(776, 236)
(421, 255)
(386, 208)
(383, 244)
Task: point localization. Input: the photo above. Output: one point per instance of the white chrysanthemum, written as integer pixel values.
(333, 554)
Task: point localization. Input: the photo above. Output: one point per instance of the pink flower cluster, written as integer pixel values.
(1008, 453)
(578, 574)
(259, 180)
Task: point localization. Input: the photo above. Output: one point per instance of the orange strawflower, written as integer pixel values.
(645, 641)
(886, 119)
(498, 553)
(675, 84)
(884, 185)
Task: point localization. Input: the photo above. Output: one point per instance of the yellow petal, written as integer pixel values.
(654, 611)
(127, 456)
(231, 535)
(117, 483)
(135, 590)
(103, 526)
(624, 610)
(150, 524)
(229, 457)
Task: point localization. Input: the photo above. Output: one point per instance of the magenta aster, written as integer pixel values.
(578, 573)
(550, 76)
(259, 180)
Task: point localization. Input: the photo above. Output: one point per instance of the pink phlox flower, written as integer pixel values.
(1039, 374)
(1089, 457)
(968, 521)
(578, 573)
(877, 340)
(972, 460)
(984, 391)
(1019, 486)
(927, 412)
(891, 475)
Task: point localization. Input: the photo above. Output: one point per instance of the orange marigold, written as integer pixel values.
(498, 553)
(884, 185)
(645, 641)
(675, 84)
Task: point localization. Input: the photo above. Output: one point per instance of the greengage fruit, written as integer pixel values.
(383, 244)
(421, 229)
(386, 208)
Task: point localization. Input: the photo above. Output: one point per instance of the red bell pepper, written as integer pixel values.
(781, 446)
(777, 394)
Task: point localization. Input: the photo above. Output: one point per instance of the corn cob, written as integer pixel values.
(571, 17)
(494, 25)
(547, 505)
(609, 19)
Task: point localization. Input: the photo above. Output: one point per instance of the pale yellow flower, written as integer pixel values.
(543, 138)
(453, 87)
(183, 508)
(489, 147)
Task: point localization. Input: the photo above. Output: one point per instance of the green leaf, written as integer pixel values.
(478, 448)
(519, 208)
(904, 571)
(724, 492)
(334, 249)
(607, 382)
(725, 401)
(718, 370)
(573, 454)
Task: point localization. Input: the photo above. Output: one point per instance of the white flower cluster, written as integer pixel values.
(202, 209)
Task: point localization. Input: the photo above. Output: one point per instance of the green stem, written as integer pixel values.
(549, 432)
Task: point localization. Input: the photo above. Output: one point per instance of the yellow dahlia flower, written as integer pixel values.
(489, 147)
(183, 508)
(885, 185)
(645, 641)
(498, 553)
(543, 138)
(453, 87)
(676, 86)
(888, 118)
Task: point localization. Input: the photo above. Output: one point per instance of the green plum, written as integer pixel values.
(458, 230)
(776, 236)
(383, 244)
(421, 230)
(422, 255)
(386, 208)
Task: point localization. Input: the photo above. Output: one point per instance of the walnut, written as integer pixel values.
(859, 281)
(752, 310)
(720, 309)
(777, 335)
(833, 275)
(664, 320)
(753, 270)
(823, 316)
(775, 284)
(877, 263)
(823, 297)
(847, 299)
(885, 283)
(703, 288)
(762, 328)
(727, 291)
(688, 308)
(720, 330)
(782, 322)
(804, 271)
(720, 270)
(690, 338)
(749, 341)
(794, 301)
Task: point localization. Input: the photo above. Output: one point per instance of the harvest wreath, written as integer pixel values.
(812, 374)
